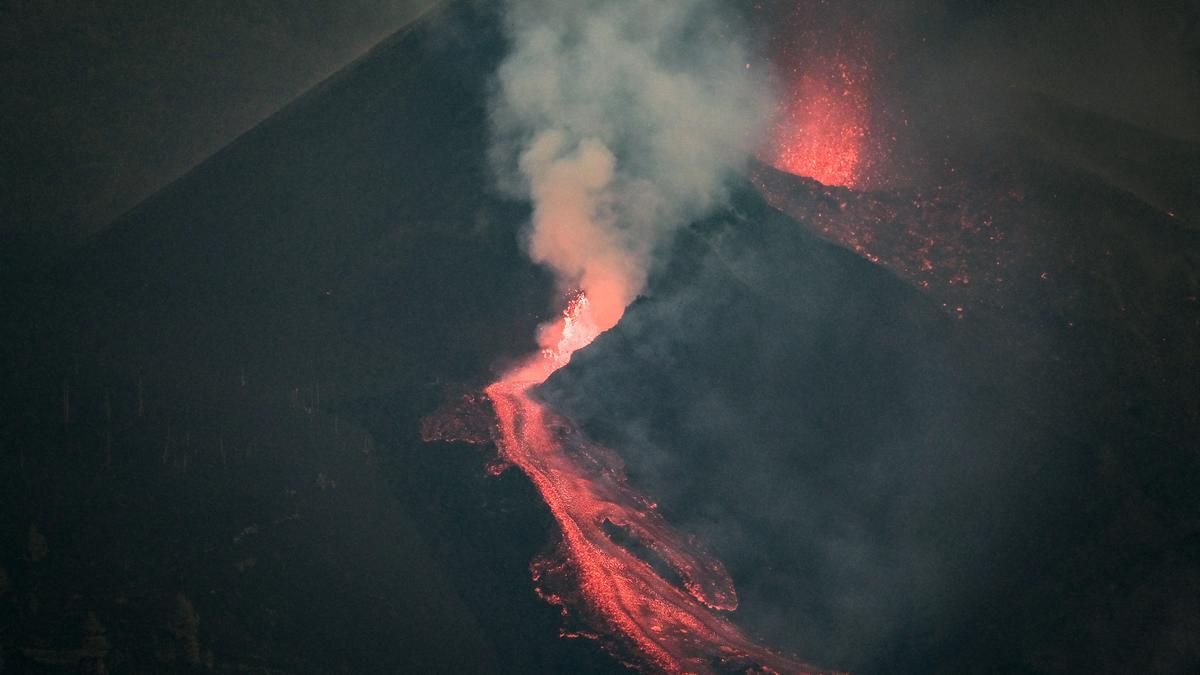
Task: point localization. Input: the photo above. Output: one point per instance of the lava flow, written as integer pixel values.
(650, 595)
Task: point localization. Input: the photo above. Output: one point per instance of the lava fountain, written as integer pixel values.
(652, 596)
(821, 127)
(620, 122)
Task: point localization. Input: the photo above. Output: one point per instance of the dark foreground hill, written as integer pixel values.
(210, 436)
(209, 431)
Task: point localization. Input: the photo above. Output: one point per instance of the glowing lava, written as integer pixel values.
(649, 594)
(821, 128)
(822, 55)
(968, 247)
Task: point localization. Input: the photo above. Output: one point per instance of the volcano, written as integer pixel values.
(918, 429)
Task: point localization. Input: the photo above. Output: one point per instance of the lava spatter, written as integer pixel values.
(822, 126)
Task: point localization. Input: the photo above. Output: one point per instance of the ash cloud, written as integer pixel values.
(621, 121)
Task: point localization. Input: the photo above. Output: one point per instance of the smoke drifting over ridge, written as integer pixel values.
(620, 120)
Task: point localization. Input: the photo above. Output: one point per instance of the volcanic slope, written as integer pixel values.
(209, 442)
(897, 486)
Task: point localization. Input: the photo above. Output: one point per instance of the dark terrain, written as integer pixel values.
(211, 457)
(210, 438)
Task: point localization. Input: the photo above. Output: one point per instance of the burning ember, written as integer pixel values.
(822, 126)
(967, 250)
(620, 573)
(966, 244)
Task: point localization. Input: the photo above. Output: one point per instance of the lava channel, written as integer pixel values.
(650, 595)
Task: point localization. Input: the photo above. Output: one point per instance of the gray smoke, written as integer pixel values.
(620, 119)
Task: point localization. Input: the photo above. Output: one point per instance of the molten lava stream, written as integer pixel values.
(670, 627)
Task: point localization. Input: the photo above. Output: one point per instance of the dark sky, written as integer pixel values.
(1136, 61)
(106, 101)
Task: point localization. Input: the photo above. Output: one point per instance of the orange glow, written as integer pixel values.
(822, 54)
(651, 595)
(558, 339)
(575, 330)
(821, 127)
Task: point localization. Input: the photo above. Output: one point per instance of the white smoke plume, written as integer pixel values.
(620, 120)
